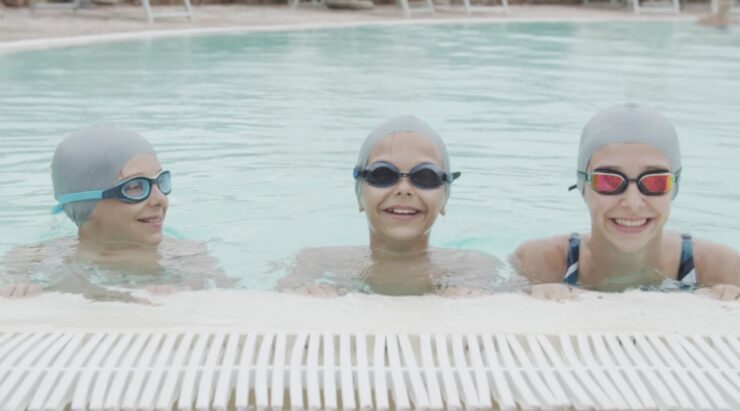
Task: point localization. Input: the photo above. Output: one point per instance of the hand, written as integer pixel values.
(165, 289)
(318, 290)
(553, 292)
(722, 292)
(21, 290)
(463, 292)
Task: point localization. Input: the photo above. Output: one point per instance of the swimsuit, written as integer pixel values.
(686, 272)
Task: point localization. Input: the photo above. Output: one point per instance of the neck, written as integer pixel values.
(384, 248)
(114, 251)
(613, 268)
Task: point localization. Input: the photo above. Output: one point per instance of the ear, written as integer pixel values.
(443, 211)
(361, 209)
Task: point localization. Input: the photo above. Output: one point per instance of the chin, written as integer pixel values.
(406, 236)
(150, 241)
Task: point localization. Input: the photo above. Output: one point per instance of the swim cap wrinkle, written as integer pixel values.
(90, 159)
(402, 124)
(628, 123)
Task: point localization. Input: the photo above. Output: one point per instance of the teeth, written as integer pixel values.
(397, 211)
(631, 223)
(150, 220)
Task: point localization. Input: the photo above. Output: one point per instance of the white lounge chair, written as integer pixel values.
(408, 10)
(35, 5)
(650, 6)
(151, 14)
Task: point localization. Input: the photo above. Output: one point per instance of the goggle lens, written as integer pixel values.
(140, 188)
(607, 183)
(382, 176)
(426, 178)
(136, 189)
(657, 183)
(164, 182)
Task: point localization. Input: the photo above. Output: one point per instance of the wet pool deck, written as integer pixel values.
(19, 29)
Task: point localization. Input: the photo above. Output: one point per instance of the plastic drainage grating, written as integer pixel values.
(223, 370)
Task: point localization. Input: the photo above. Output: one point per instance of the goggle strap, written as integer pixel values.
(72, 197)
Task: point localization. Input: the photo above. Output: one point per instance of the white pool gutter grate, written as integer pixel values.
(222, 370)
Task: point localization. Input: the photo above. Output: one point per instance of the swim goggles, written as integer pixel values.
(612, 182)
(131, 190)
(424, 176)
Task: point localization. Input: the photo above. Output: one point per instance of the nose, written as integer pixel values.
(633, 198)
(156, 197)
(404, 187)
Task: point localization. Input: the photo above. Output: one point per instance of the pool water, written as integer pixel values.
(261, 130)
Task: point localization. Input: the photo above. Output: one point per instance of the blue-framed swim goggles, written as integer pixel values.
(425, 175)
(131, 190)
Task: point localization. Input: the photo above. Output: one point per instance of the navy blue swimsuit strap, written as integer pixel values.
(574, 246)
(686, 266)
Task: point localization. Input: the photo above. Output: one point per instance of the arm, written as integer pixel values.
(716, 264)
(542, 260)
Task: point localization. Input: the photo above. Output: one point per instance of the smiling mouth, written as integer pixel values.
(402, 212)
(151, 220)
(631, 223)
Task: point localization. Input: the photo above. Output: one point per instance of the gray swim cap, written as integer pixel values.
(90, 159)
(629, 123)
(403, 124)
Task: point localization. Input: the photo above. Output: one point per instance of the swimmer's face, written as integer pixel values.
(138, 223)
(630, 220)
(401, 216)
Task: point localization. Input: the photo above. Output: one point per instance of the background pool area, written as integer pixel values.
(261, 130)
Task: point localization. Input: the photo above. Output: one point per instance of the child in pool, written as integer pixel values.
(629, 166)
(402, 182)
(110, 183)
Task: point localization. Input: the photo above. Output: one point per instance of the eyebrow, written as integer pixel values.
(137, 175)
(646, 168)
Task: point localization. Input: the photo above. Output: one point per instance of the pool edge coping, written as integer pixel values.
(9, 47)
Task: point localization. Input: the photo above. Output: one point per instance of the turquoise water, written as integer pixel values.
(261, 130)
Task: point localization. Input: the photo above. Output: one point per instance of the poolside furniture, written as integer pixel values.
(502, 8)
(66, 5)
(734, 6)
(294, 3)
(132, 369)
(428, 7)
(650, 6)
(664, 6)
(151, 15)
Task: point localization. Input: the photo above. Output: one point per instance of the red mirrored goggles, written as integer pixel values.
(611, 182)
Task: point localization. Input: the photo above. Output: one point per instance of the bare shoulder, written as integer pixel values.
(183, 248)
(22, 258)
(715, 263)
(542, 259)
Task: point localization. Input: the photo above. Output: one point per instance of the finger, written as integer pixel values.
(34, 290)
(328, 290)
(19, 291)
(707, 292)
(6, 291)
(729, 293)
(539, 293)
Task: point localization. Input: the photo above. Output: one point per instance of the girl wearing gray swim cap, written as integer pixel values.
(402, 183)
(628, 172)
(110, 183)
